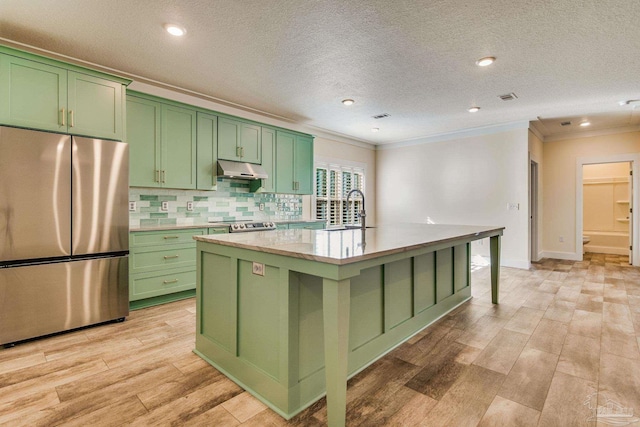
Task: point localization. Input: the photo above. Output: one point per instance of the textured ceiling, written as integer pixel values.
(414, 60)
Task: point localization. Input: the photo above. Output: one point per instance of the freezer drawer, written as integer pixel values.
(42, 299)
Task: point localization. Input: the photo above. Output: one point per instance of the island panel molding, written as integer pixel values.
(329, 304)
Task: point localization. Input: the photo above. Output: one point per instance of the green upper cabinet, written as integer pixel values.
(239, 141)
(162, 144)
(32, 94)
(49, 97)
(304, 164)
(143, 136)
(178, 147)
(95, 106)
(207, 152)
(294, 163)
(268, 163)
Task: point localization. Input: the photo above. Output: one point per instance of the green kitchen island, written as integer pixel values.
(289, 315)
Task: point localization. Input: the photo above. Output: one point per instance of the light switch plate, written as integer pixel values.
(132, 206)
(513, 206)
(164, 206)
(189, 206)
(258, 269)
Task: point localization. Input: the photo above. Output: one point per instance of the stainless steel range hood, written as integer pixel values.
(241, 170)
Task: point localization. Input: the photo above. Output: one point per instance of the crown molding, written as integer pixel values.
(459, 134)
(587, 134)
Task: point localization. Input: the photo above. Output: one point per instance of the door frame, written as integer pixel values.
(634, 238)
(534, 252)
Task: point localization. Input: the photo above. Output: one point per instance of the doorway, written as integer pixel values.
(606, 208)
(621, 212)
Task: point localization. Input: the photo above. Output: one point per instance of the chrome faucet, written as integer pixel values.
(362, 214)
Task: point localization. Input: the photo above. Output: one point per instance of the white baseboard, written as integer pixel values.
(570, 256)
(515, 263)
(607, 250)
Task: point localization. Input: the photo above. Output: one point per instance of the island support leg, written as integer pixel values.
(494, 246)
(336, 297)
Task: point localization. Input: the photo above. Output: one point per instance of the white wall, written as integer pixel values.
(466, 180)
(560, 158)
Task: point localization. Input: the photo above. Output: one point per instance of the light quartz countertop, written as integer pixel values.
(214, 225)
(346, 246)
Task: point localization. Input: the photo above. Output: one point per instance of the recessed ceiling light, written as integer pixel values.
(487, 60)
(348, 101)
(473, 109)
(375, 129)
(175, 30)
(583, 124)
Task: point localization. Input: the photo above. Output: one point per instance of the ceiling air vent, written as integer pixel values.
(508, 97)
(380, 116)
(565, 123)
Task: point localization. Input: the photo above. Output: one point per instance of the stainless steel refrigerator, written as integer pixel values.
(64, 228)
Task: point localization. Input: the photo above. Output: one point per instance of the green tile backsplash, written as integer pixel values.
(232, 201)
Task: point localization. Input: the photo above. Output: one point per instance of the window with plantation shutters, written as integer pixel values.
(333, 183)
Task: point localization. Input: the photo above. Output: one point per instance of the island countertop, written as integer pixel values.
(345, 246)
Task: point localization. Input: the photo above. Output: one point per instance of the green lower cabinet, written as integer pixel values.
(161, 283)
(266, 332)
(162, 266)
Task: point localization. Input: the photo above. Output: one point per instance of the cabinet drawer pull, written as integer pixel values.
(171, 256)
(63, 117)
(71, 122)
(171, 237)
(166, 282)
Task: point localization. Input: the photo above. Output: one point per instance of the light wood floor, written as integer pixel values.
(563, 332)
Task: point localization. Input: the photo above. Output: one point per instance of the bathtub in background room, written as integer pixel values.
(607, 242)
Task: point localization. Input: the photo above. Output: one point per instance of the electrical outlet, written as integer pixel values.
(132, 206)
(258, 269)
(164, 206)
(513, 206)
(189, 206)
(261, 206)
(561, 239)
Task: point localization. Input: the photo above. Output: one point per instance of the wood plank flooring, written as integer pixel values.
(563, 333)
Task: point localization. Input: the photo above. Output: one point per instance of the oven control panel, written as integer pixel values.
(240, 227)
